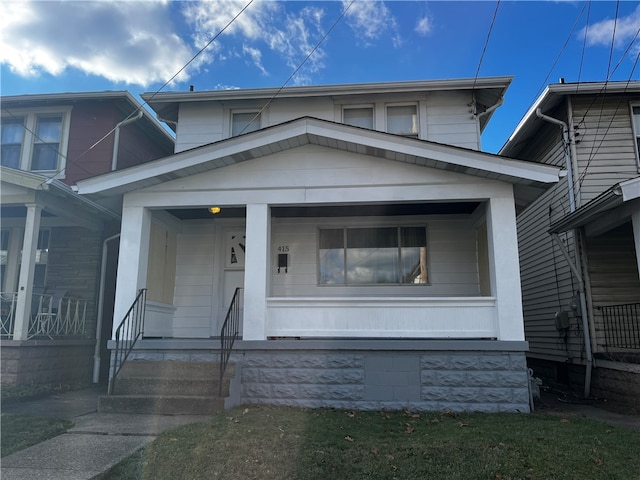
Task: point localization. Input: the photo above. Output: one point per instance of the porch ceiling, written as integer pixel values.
(312, 131)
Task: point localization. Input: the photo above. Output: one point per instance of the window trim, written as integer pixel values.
(31, 116)
(416, 105)
(360, 106)
(635, 127)
(241, 111)
(398, 227)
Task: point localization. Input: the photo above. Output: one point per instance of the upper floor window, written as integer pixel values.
(635, 110)
(373, 255)
(244, 122)
(35, 141)
(358, 116)
(46, 144)
(12, 137)
(402, 120)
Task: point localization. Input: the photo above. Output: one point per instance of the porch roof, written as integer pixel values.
(53, 195)
(616, 196)
(530, 179)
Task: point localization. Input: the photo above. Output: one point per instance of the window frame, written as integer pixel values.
(635, 126)
(14, 120)
(29, 137)
(244, 111)
(360, 107)
(416, 106)
(398, 261)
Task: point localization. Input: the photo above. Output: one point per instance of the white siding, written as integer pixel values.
(444, 117)
(194, 295)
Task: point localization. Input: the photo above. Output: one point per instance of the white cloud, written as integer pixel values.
(256, 56)
(129, 42)
(601, 33)
(423, 26)
(371, 20)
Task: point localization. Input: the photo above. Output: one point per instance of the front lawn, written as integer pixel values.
(289, 443)
(22, 431)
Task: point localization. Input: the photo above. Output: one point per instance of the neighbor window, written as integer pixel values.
(373, 255)
(244, 122)
(12, 137)
(46, 144)
(402, 120)
(358, 116)
(35, 141)
(635, 109)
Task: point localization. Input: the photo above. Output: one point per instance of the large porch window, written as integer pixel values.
(373, 256)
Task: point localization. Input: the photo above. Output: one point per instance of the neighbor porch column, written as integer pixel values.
(505, 267)
(132, 261)
(256, 272)
(27, 269)
(635, 222)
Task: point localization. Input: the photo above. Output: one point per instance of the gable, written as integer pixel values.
(316, 167)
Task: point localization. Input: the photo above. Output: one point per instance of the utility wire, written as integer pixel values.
(135, 112)
(293, 74)
(486, 43)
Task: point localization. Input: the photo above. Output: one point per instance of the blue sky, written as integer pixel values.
(138, 45)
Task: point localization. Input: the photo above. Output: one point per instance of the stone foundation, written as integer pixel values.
(457, 381)
(46, 362)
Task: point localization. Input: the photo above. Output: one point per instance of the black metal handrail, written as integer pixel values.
(229, 332)
(127, 334)
(621, 325)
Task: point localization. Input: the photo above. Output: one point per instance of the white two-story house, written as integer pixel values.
(366, 244)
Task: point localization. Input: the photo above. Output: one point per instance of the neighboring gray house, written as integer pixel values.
(580, 241)
(366, 243)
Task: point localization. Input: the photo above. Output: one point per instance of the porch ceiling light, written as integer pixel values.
(214, 210)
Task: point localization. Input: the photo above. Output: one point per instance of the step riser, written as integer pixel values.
(148, 405)
(161, 386)
(178, 370)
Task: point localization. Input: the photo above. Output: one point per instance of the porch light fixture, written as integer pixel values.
(214, 210)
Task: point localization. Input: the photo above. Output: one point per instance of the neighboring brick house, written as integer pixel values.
(374, 242)
(580, 241)
(54, 258)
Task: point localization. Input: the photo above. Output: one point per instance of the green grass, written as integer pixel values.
(22, 431)
(288, 443)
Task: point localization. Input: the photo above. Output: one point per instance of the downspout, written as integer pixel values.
(569, 152)
(491, 108)
(103, 274)
(116, 138)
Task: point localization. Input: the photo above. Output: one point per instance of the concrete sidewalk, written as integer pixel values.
(92, 446)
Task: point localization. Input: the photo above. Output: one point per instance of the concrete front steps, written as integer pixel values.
(168, 388)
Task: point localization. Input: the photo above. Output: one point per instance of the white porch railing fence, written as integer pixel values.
(52, 315)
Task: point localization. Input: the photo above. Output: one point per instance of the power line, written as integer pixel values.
(293, 74)
(135, 112)
(486, 43)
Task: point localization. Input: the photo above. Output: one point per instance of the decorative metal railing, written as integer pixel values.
(621, 326)
(127, 334)
(230, 331)
(52, 315)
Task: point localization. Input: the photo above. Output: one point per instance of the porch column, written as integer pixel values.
(13, 266)
(504, 267)
(256, 272)
(27, 269)
(132, 261)
(635, 222)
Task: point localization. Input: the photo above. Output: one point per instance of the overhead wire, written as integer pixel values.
(295, 72)
(486, 44)
(140, 107)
